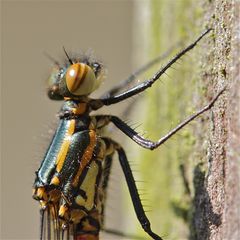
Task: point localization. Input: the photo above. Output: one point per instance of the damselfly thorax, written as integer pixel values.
(70, 180)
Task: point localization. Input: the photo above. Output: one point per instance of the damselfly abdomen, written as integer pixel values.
(72, 179)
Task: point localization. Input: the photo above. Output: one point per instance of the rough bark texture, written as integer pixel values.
(216, 179)
(202, 200)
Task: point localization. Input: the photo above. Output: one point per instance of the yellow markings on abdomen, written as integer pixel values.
(89, 186)
(65, 146)
(77, 215)
(87, 156)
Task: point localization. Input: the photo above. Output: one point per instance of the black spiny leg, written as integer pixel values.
(124, 83)
(131, 133)
(142, 218)
(106, 173)
(98, 103)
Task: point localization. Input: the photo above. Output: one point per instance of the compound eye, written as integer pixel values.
(74, 77)
(80, 79)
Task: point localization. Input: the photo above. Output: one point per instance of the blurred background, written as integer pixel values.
(123, 35)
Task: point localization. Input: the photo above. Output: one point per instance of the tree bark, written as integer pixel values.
(216, 175)
(202, 200)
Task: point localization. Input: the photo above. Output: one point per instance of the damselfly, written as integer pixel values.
(72, 180)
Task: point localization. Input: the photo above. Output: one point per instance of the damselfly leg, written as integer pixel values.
(129, 80)
(148, 83)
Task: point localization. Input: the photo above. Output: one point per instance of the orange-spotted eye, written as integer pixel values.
(80, 79)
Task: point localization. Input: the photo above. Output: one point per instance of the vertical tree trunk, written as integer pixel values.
(216, 174)
(208, 151)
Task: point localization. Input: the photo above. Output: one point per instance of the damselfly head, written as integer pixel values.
(75, 80)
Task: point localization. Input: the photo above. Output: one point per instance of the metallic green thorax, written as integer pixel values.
(70, 178)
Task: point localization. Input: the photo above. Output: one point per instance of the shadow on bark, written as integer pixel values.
(203, 215)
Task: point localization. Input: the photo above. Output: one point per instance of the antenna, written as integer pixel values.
(69, 59)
